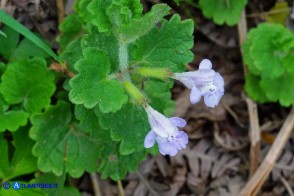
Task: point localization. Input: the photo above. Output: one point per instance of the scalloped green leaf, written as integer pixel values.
(115, 165)
(98, 16)
(165, 46)
(129, 125)
(253, 89)
(28, 82)
(92, 86)
(71, 29)
(71, 54)
(279, 89)
(128, 29)
(61, 145)
(102, 42)
(223, 11)
(22, 160)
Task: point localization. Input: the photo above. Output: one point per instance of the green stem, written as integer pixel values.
(135, 93)
(161, 73)
(124, 61)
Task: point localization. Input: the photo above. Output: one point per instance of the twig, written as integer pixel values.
(147, 184)
(60, 10)
(120, 188)
(257, 180)
(287, 185)
(95, 183)
(254, 132)
(3, 4)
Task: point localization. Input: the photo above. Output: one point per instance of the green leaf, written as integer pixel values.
(162, 47)
(15, 25)
(102, 42)
(98, 16)
(71, 29)
(22, 162)
(71, 54)
(91, 86)
(160, 95)
(28, 82)
(19, 192)
(11, 120)
(279, 89)
(27, 49)
(266, 47)
(50, 178)
(2, 68)
(127, 29)
(65, 145)
(279, 13)
(9, 43)
(116, 166)
(2, 33)
(253, 89)
(223, 11)
(129, 125)
(4, 161)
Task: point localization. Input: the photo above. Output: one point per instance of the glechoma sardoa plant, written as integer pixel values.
(124, 63)
(269, 53)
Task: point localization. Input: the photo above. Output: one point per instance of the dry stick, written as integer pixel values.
(257, 180)
(95, 183)
(287, 185)
(60, 10)
(120, 188)
(254, 132)
(147, 184)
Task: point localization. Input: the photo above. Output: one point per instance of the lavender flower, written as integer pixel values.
(204, 82)
(165, 132)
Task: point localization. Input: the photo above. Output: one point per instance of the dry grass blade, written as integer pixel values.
(254, 132)
(60, 9)
(95, 183)
(257, 180)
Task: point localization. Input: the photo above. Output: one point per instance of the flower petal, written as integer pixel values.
(179, 122)
(150, 139)
(212, 100)
(166, 148)
(219, 82)
(205, 64)
(195, 95)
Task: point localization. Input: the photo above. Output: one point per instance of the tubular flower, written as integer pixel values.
(165, 132)
(204, 82)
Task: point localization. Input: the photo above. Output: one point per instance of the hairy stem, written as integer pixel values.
(124, 61)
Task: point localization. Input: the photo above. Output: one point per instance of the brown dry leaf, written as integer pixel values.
(285, 164)
(206, 161)
(226, 186)
(216, 34)
(229, 137)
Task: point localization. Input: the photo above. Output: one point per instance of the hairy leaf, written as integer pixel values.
(71, 29)
(116, 166)
(129, 125)
(127, 29)
(65, 146)
(223, 11)
(92, 86)
(102, 42)
(22, 162)
(162, 47)
(28, 82)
